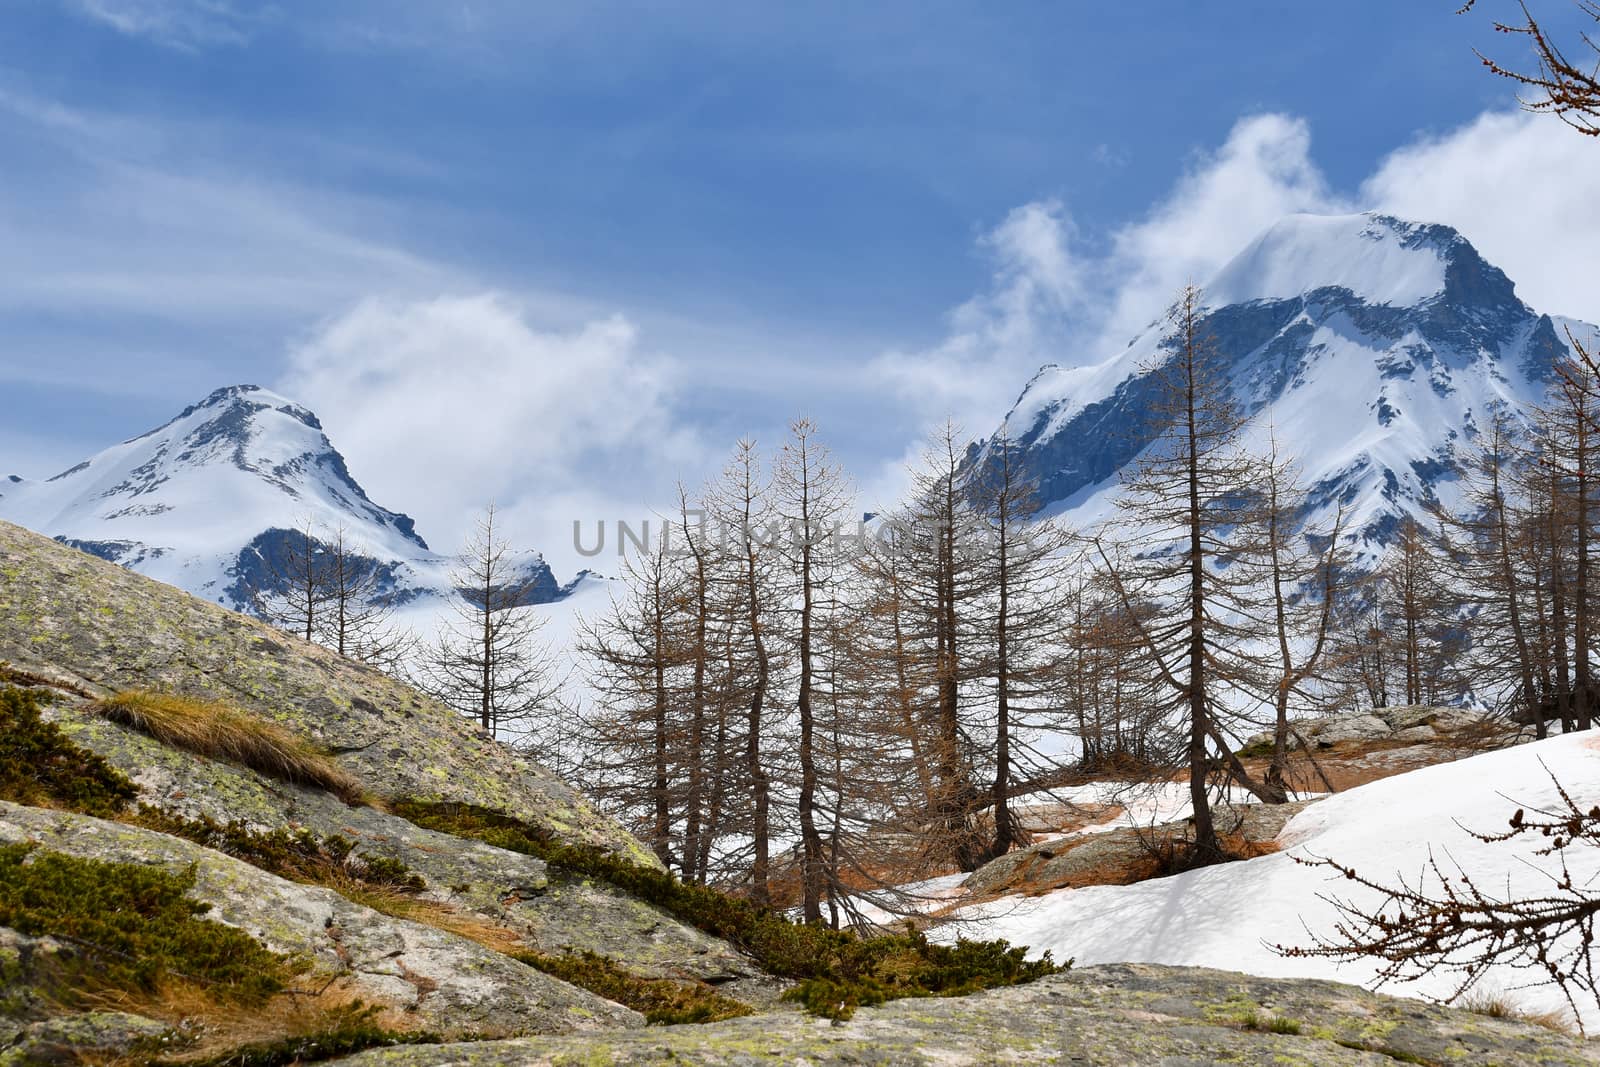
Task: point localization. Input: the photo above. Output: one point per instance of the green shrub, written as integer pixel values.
(299, 855)
(39, 765)
(661, 1001)
(1273, 1024)
(347, 1030)
(836, 970)
(130, 927)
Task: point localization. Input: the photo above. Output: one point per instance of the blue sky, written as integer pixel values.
(627, 233)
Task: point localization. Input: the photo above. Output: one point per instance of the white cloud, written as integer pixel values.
(1524, 189)
(188, 25)
(1047, 302)
(1037, 282)
(1262, 172)
(444, 405)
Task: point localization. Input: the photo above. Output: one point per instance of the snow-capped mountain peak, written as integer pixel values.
(182, 500)
(1380, 259)
(1373, 348)
(207, 501)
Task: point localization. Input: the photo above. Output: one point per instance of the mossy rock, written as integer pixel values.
(1124, 1015)
(92, 1036)
(101, 630)
(448, 984)
(553, 915)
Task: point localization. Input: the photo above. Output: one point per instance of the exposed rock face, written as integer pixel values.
(446, 982)
(1116, 857)
(105, 629)
(548, 911)
(1409, 724)
(90, 1035)
(1123, 1015)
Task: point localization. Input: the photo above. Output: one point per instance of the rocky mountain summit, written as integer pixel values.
(1373, 349)
(215, 500)
(406, 881)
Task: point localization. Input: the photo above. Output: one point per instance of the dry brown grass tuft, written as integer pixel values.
(399, 904)
(1500, 1006)
(216, 1033)
(219, 731)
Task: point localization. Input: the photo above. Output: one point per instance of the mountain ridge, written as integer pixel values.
(214, 499)
(1373, 348)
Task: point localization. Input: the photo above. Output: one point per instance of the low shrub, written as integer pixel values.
(299, 855)
(343, 1031)
(837, 971)
(41, 766)
(130, 928)
(377, 882)
(661, 1001)
(1272, 1024)
(219, 731)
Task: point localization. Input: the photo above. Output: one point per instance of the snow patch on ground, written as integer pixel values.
(1229, 916)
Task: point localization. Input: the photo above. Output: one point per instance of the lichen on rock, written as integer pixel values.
(103, 630)
(1121, 1015)
(448, 984)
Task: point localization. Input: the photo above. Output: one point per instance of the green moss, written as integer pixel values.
(836, 971)
(131, 927)
(40, 765)
(660, 1000)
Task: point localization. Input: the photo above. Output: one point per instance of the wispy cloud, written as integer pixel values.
(122, 215)
(1036, 286)
(187, 25)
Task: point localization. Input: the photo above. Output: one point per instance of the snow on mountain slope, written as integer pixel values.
(206, 503)
(1375, 350)
(1229, 916)
(1381, 260)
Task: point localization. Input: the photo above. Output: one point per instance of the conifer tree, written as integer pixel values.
(487, 662)
(810, 496)
(633, 654)
(1181, 502)
(746, 594)
(949, 582)
(1021, 625)
(295, 592)
(1302, 594)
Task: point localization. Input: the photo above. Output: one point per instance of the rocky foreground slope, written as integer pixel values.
(1123, 1015)
(449, 960)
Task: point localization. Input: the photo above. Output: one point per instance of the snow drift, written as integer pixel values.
(1230, 916)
